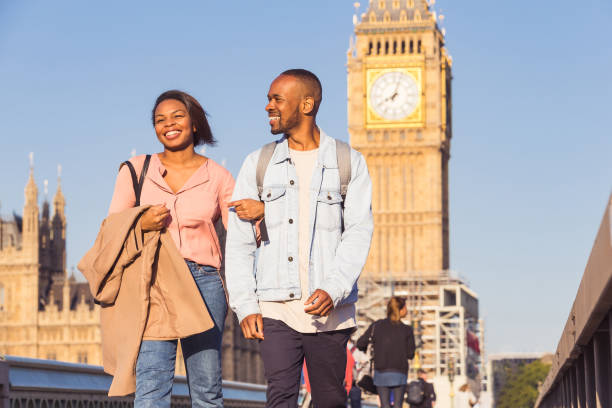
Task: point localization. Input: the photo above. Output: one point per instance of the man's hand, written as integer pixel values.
(155, 218)
(252, 326)
(320, 303)
(248, 210)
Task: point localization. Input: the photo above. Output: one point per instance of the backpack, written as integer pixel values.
(343, 155)
(415, 394)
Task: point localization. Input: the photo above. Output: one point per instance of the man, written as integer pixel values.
(429, 395)
(300, 300)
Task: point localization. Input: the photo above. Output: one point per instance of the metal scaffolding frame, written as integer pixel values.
(440, 308)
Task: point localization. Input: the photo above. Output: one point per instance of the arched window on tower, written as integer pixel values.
(386, 47)
(378, 48)
(387, 17)
(403, 16)
(396, 4)
(370, 47)
(411, 46)
(410, 3)
(394, 46)
(403, 47)
(372, 17)
(419, 46)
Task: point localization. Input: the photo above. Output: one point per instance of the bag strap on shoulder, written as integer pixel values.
(262, 164)
(343, 155)
(137, 182)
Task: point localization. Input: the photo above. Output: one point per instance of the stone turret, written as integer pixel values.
(59, 227)
(30, 217)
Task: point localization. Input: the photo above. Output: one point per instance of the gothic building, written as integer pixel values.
(46, 314)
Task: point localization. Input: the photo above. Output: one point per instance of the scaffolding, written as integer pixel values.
(442, 311)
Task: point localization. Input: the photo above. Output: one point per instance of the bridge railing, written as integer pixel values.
(32, 383)
(581, 372)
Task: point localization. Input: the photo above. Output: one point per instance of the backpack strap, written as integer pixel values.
(343, 155)
(137, 182)
(262, 164)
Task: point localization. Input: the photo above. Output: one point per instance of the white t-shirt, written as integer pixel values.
(463, 398)
(292, 312)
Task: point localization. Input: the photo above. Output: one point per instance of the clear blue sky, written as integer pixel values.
(530, 167)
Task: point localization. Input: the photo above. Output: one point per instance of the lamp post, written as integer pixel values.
(451, 379)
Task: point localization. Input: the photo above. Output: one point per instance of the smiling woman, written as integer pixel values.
(186, 194)
(190, 108)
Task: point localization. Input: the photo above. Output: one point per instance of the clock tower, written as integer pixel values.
(399, 118)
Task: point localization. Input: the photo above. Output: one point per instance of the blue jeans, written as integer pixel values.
(201, 352)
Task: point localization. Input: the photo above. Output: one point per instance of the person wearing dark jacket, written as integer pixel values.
(429, 394)
(393, 346)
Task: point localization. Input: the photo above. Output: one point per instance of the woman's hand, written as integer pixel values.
(248, 210)
(155, 218)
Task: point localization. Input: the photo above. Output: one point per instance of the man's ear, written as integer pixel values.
(308, 105)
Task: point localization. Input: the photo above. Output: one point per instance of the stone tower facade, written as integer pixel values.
(399, 118)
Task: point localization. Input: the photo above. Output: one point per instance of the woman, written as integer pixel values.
(188, 193)
(393, 346)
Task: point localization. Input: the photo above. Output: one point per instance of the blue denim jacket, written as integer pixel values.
(336, 256)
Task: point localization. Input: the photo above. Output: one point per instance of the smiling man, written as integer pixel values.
(300, 299)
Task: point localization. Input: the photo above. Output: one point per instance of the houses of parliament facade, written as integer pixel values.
(47, 314)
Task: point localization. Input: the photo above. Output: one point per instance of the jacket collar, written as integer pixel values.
(326, 157)
(157, 170)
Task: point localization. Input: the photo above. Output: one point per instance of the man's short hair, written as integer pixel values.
(311, 83)
(421, 371)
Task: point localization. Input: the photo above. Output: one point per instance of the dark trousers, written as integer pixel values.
(384, 393)
(283, 351)
(355, 396)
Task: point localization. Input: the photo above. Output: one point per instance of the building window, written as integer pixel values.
(396, 4)
(370, 47)
(410, 3)
(378, 48)
(82, 357)
(419, 46)
(411, 46)
(386, 47)
(381, 4)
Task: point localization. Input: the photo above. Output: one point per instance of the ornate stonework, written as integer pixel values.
(399, 113)
(44, 314)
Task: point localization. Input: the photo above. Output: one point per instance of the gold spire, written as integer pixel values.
(31, 190)
(59, 202)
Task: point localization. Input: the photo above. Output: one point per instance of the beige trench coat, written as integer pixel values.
(145, 289)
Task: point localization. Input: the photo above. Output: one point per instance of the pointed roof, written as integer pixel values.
(31, 190)
(396, 15)
(59, 201)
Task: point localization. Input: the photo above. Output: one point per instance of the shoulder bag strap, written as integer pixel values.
(137, 182)
(262, 164)
(343, 155)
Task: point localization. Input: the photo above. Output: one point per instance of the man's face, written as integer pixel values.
(284, 99)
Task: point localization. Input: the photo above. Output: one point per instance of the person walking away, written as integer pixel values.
(299, 302)
(393, 345)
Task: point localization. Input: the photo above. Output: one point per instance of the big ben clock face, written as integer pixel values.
(394, 97)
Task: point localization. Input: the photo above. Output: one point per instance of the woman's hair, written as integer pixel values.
(464, 387)
(394, 306)
(202, 134)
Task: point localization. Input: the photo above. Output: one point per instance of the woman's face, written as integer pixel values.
(173, 125)
(403, 312)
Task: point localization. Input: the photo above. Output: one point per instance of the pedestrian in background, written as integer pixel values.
(426, 391)
(393, 345)
(465, 397)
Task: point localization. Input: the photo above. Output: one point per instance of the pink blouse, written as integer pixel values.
(194, 209)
